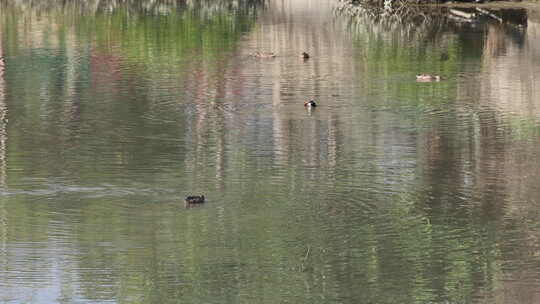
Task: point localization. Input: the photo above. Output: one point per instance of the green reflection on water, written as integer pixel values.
(97, 155)
(77, 112)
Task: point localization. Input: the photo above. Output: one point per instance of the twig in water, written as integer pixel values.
(302, 267)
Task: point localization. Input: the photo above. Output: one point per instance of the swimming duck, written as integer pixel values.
(304, 55)
(427, 77)
(264, 54)
(194, 199)
(310, 104)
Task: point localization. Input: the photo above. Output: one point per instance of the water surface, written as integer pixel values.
(390, 191)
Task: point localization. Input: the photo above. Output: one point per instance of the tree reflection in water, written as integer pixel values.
(393, 191)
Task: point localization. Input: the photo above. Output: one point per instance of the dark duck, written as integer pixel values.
(310, 104)
(194, 199)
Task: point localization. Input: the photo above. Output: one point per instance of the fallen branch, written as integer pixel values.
(462, 14)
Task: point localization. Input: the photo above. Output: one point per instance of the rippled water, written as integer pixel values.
(390, 191)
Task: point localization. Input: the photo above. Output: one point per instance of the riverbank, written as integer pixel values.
(494, 4)
(489, 4)
(508, 12)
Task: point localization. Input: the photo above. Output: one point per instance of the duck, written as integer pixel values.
(310, 104)
(304, 55)
(427, 77)
(264, 54)
(194, 199)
